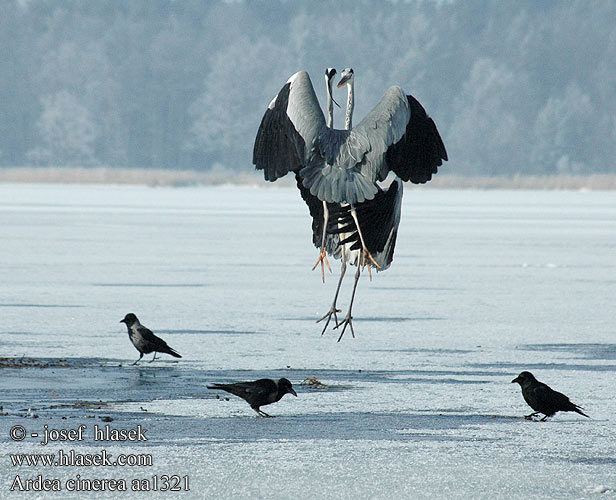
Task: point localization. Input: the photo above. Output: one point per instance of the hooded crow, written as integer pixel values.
(259, 393)
(542, 398)
(144, 340)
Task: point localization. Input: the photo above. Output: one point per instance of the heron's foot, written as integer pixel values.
(332, 312)
(323, 260)
(348, 321)
(367, 260)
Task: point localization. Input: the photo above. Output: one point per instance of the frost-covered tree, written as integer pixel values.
(514, 87)
(563, 130)
(488, 129)
(243, 79)
(67, 132)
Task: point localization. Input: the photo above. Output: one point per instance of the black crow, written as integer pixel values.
(259, 393)
(144, 340)
(542, 398)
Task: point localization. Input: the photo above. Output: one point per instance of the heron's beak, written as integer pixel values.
(291, 391)
(343, 80)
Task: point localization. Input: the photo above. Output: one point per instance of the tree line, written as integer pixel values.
(514, 87)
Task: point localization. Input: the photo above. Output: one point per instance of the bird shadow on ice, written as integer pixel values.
(345, 426)
(209, 332)
(372, 319)
(416, 288)
(51, 306)
(578, 351)
(517, 367)
(590, 460)
(151, 285)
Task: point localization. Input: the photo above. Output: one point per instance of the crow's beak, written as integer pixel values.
(517, 379)
(122, 321)
(291, 391)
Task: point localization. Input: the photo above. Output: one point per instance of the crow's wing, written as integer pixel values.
(253, 392)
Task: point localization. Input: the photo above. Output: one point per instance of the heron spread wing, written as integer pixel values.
(343, 166)
(289, 128)
(420, 151)
(350, 161)
(397, 135)
(402, 138)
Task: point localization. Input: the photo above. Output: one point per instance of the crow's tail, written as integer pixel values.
(578, 409)
(173, 353)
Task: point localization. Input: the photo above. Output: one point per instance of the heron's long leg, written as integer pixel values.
(365, 253)
(348, 321)
(323, 255)
(333, 309)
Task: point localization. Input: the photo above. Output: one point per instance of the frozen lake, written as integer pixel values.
(484, 284)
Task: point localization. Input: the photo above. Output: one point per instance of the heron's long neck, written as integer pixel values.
(330, 105)
(348, 123)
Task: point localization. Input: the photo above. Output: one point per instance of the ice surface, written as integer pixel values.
(420, 404)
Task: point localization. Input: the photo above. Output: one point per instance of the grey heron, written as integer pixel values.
(329, 77)
(338, 171)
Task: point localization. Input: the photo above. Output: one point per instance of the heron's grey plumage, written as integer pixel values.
(343, 166)
(338, 171)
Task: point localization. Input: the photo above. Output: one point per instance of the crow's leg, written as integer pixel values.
(153, 357)
(140, 356)
(261, 413)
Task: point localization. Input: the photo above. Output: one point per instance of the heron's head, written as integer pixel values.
(524, 378)
(129, 319)
(346, 77)
(286, 387)
(329, 77)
